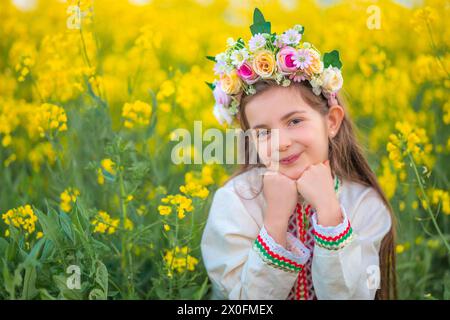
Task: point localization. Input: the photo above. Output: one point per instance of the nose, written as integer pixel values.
(284, 140)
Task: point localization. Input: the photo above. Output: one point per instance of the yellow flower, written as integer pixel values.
(68, 197)
(400, 248)
(136, 114)
(100, 177)
(181, 203)
(22, 218)
(264, 63)
(195, 190)
(166, 90)
(108, 165)
(50, 119)
(141, 210)
(433, 243)
(179, 259)
(442, 197)
(104, 223)
(166, 227)
(128, 225)
(164, 210)
(231, 83)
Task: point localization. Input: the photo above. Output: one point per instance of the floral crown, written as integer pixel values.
(283, 58)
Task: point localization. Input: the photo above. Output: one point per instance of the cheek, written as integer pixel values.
(313, 142)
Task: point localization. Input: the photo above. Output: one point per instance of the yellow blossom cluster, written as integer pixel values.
(409, 141)
(181, 203)
(23, 68)
(439, 196)
(180, 260)
(136, 114)
(22, 218)
(50, 119)
(105, 224)
(68, 197)
(195, 190)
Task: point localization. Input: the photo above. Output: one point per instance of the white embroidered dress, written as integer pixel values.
(244, 262)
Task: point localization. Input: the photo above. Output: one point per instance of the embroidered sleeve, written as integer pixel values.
(333, 238)
(290, 259)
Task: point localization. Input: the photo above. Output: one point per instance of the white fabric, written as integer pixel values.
(237, 271)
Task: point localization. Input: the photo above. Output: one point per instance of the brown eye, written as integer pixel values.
(295, 121)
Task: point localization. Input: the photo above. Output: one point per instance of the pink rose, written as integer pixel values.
(247, 74)
(220, 96)
(285, 60)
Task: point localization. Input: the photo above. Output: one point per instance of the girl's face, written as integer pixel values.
(302, 131)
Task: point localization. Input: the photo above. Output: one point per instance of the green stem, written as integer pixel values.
(124, 262)
(425, 197)
(86, 56)
(434, 47)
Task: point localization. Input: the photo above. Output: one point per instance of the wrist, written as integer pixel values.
(329, 215)
(276, 227)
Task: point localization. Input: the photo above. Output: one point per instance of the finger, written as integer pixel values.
(306, 169)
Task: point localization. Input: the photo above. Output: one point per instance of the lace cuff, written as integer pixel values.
(291, 259)
(333, 238)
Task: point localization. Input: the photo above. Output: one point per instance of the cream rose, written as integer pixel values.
(316, 65)
(264, 63)
(231, 83)
(331, 79)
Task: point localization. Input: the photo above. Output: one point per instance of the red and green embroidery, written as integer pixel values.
(275, 259)
(335, 242)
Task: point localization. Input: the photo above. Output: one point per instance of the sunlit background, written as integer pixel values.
(90, 92)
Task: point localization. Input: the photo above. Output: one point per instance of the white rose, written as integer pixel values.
(331, 79)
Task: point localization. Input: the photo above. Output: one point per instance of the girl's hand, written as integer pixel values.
(281, 196)
(316, 185)
(280, 193)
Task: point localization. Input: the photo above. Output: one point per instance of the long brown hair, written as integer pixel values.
(347, 161)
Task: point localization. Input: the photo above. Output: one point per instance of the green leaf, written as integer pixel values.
(447, 286)
(3, 246)
(66, 225)
(29, 290)
(97, 294)
(101, 276)
(212, 86)
(61, 283)
(9, 281)
(202, 290)
(47, 251)
(260, 25)
(332, 59)
(153, 118)
(211, 58)
(32, 257)
(44, 295)
(50, 225)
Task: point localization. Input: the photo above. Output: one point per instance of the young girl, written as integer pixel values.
(308, 220)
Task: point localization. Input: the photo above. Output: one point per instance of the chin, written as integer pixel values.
(293, 173)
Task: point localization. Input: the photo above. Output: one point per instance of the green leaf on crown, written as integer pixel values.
(211, 58)
(332, 59)
(210, 85)
(260, 25)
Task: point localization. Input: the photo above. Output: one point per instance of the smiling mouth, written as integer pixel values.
(290, 159)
